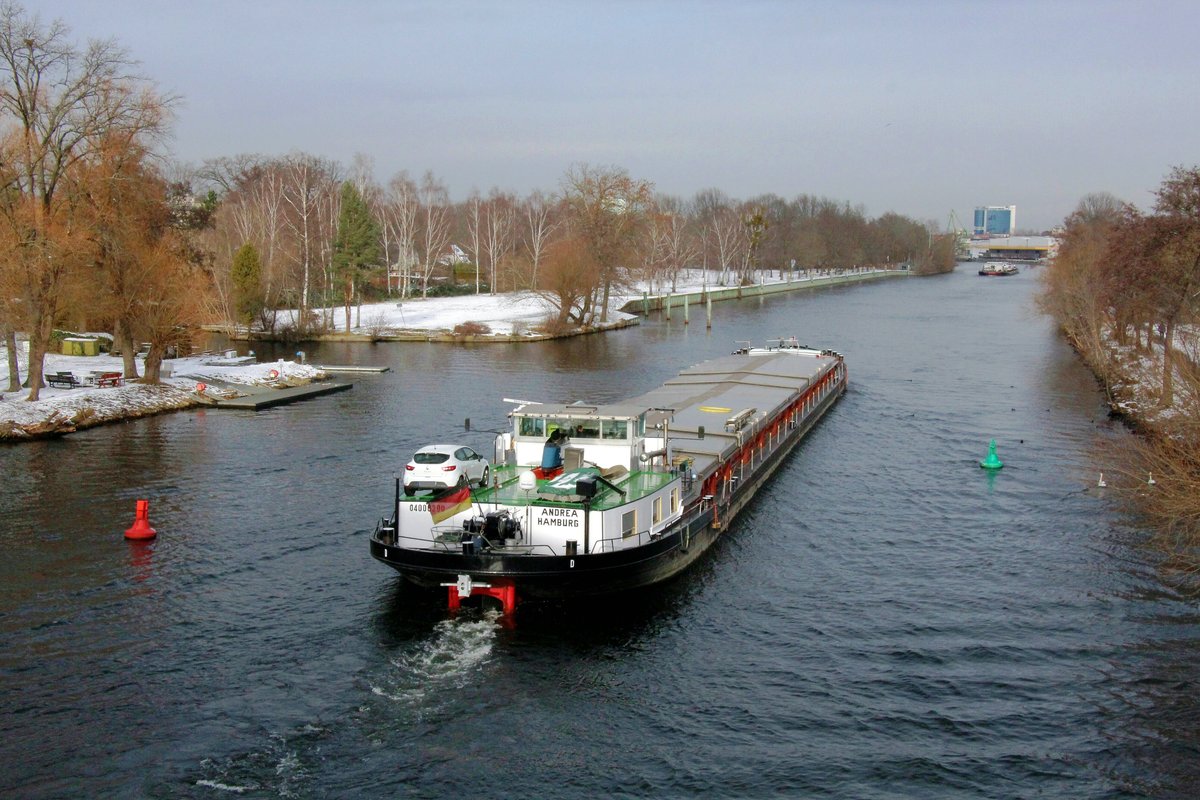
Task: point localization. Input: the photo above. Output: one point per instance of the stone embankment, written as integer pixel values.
(678, 300)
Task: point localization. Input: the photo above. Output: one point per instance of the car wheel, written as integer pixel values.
(408, 490)
(462, 480)
(483, 482)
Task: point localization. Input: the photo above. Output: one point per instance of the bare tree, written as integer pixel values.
(228, 174)
(309, 184)
(401, 208)
(500, 220)
(251, 211)
(475, 230)
(655, 258)
(755, 225)
(570, 282)
(727, 234)
(1074, 284)
(607, 209)
(63, 101)
(434, 226)
(675, 239)
(539, 227)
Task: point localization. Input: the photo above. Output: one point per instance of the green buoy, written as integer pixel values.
(991, 462)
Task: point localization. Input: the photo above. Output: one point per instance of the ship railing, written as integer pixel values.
(610, 544)
(519, 548)
(448, 538)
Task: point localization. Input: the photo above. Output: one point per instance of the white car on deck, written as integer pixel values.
(440, 466)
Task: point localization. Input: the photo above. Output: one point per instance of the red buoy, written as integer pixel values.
(141, 529)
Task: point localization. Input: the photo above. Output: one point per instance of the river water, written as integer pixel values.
(886, 620)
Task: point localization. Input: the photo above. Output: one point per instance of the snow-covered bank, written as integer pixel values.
(1136, 388)
(518, 315)
(60, 410)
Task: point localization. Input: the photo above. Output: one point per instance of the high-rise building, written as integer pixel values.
(995, 220)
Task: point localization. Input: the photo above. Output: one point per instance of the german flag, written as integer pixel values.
(451, 502)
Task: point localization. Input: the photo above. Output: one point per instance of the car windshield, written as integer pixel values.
(430, 458)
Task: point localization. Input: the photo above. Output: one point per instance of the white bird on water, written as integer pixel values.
(1150, 481)
(1101, 482)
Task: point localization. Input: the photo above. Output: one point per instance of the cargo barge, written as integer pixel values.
(589, 500)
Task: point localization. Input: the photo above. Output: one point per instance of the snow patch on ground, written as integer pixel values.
(91, 405)
(1138, 392)
(515, 313)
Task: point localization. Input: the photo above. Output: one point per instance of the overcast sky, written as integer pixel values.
(912, 107)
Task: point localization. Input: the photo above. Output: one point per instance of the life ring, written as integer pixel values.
(273, 374)
(200, 387)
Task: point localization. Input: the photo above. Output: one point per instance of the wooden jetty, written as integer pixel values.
(265, 398)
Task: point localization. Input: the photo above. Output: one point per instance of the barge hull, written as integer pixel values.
(560, 576)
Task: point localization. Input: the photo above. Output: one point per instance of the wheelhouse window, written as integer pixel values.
(584, 429)
(615, 430)
(531, 426)
(658, 510)
(628, 524)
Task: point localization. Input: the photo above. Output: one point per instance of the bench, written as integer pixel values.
(109, 379)
(63, 380)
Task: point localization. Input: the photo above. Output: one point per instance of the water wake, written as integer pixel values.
(446, 661)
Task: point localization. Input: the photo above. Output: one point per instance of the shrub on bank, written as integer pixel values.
(471, 329)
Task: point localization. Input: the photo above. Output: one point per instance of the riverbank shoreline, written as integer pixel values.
(1157, 474)
(59, 411)
(519, 317)
(423, 335)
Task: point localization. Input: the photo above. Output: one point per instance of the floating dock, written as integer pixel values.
(265, 398)
(349, 368)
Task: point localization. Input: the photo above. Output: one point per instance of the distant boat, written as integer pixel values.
(998, 269)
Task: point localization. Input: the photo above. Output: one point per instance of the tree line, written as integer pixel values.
(1127, 283)
(599, 228)
(100, 231)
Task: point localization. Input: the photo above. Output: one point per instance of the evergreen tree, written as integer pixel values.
(247, 283)
(356, 250)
